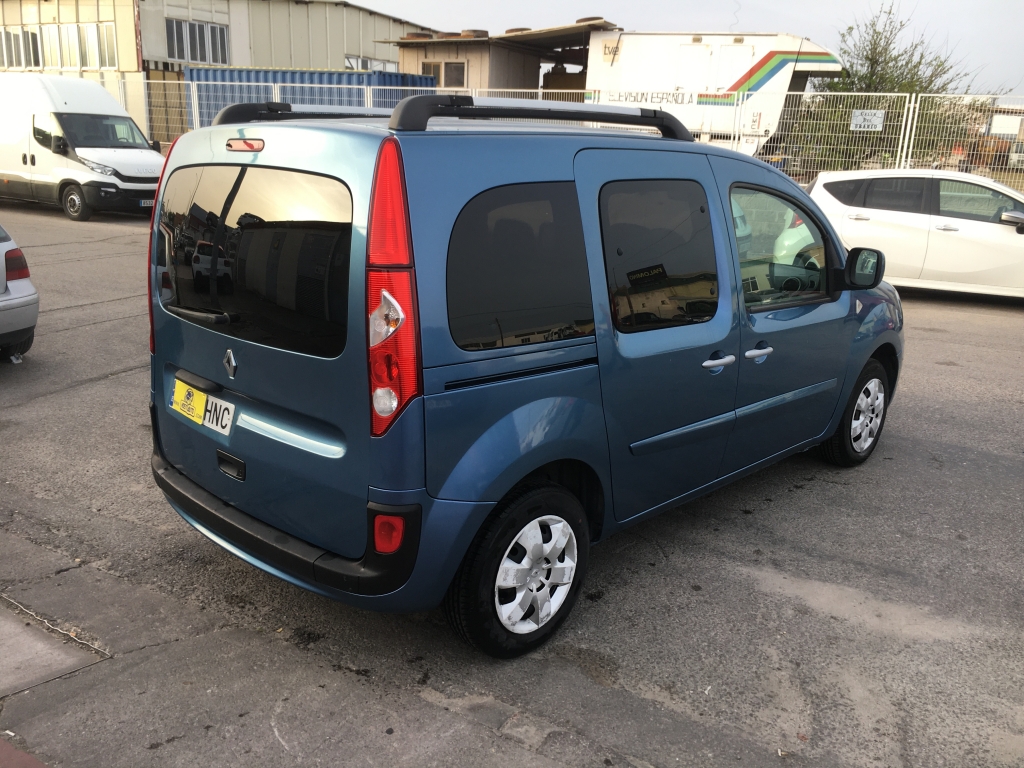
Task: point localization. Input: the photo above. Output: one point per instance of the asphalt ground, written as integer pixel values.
(806, 615)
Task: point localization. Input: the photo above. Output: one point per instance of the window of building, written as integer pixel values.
(517, 268)
(659, 254)
(904, 195)
(12, 53)
(196, 42)
(432, 69)
(963, 200)
(50, 38)
(363, 64)
(68, 46)
(454, 74)
(786, 261)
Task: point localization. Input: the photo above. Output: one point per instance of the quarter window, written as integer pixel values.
(659, 254)
(782, 252)
(962, 200)
(844, 191)
(904, 195)
(517, 268)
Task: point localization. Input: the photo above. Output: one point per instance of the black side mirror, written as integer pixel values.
(865, 268)
(156, 146)
(58, 145)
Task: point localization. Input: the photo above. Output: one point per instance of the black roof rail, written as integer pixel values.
(413, 113)
(269, 111)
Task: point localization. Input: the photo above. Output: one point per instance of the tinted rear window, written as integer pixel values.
(844, 191)
(517, 268)
(905, 195)
(659, 253)
(4, 237)
(278, 243)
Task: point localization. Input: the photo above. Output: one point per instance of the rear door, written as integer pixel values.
(891, 215)
(665, 309)
(968, 243)
(260, 379)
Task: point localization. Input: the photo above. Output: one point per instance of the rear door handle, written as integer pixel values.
(947, 228)
(859, 217)
(32, 159)
(721, 362)
(24, 159)
(753, 354)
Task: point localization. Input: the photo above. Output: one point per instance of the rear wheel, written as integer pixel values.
(73, 201)
(522, 577)
(861, 426)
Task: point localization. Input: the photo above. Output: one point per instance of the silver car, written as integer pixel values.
(19, 301)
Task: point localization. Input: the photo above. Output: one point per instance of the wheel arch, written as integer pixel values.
(582, 481)
(886, 355)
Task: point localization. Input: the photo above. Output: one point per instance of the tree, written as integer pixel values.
(883, 54)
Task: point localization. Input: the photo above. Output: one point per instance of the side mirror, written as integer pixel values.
(1013, 218)
(156, 146)
(58, 145)
(865, 268)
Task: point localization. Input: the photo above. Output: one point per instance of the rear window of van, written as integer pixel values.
(260, 254)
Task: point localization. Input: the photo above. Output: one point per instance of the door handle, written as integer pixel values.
(24, 159)
(32, 159)
(947, 228)
(753, 354)
(721, 362)
(859, 217)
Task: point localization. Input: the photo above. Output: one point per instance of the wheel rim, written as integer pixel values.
(535, 574)
(867, 415)
(74, 203)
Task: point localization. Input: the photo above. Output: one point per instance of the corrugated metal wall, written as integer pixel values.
(311, 77)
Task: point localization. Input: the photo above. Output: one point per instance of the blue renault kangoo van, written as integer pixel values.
(431, 356)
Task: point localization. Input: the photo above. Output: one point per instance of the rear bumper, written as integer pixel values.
(19, 311)
(305, 564)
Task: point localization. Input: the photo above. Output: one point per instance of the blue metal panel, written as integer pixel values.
(304, 77)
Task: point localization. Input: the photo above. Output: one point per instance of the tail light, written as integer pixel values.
(15, 265)
(149, 257)
(392, 319)
(195, 259)
(797, 222)
(388, 531)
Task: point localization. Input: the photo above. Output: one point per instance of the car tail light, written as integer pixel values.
(392, 318)
(388, 531)
(15, 265)
(797, 222)
(149, 258)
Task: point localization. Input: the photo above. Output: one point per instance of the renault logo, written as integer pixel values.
(229, 363)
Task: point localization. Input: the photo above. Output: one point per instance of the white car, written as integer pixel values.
(19, 301)
(941, 230)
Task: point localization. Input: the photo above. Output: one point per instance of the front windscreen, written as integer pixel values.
(260, 254)
(106, 131)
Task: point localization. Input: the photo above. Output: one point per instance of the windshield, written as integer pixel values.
(105, 131)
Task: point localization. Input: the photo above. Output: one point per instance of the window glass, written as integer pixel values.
(782, 252)
(265, 249)
(4, 237)
(102, 131)
(454, 74)
(433, 69)
(108, 46)
(51, 46)
(963, 200)
(517, 268)
(905, 195)
(193, 42)
(69, 47)
(844, 191)
(31, 39)
(659, 254)
(44, 128)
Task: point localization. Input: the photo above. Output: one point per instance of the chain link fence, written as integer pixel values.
(802, 135)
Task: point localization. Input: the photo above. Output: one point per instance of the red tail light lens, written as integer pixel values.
(392, 318)
(388, 240)
(15, 265)
(797, 221)
(149, 260)
(388, 531)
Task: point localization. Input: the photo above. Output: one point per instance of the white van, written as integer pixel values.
(67, 141)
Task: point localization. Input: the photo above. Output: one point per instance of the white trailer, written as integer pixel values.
(728, 89)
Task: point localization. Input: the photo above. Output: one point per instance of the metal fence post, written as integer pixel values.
(195, 105)
(275, 91)
(915, 116)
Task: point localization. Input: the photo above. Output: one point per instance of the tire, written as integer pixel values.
(73, 202)
(861, 426)
(545, 512)
(20, 348)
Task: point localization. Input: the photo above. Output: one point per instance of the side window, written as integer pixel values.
(782, 252)
(517, 268)
(963, 200)
(905, 195)
(43, 129)
(844, 191)
(659, 254)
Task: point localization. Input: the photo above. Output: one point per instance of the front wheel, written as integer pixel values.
(862, 422)
(522, 577)
(75, 207)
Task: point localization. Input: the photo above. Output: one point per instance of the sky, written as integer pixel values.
(985, 34)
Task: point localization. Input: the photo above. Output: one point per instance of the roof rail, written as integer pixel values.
(413, 112)
(269, 111)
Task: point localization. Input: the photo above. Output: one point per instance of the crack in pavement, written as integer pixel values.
(89, 325)
(91, 303)
(81, 383)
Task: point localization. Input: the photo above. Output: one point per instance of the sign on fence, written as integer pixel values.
(867, 120)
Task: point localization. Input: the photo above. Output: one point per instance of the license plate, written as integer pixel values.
(202, 408)
(146, 203)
